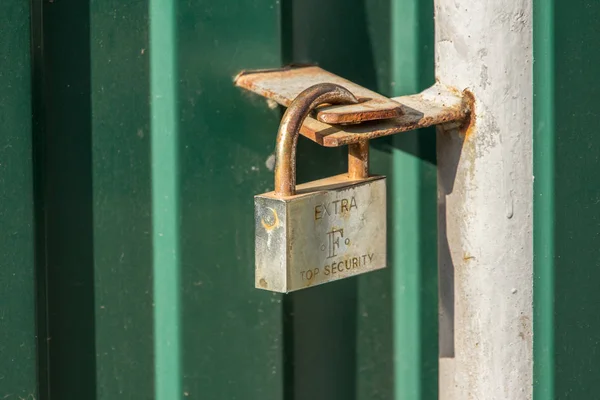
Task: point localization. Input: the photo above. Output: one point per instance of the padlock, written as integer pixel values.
(323, 230)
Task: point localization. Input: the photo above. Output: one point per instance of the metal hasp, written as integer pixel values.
(336, 227)
(374, 116)
(285, 84)
(321, 231)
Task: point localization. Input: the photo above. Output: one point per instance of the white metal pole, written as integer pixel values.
(485, 193)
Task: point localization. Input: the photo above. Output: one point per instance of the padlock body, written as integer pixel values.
(332, 229)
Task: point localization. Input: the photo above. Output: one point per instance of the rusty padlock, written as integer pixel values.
(323, 230)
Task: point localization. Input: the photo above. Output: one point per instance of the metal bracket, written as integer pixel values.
(374, 116)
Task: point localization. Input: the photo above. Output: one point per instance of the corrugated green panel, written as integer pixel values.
(99, 207)
(544, 167)
(231, 333)
(121, 177)
(17, 273)
(164, 80)
(97, 199)
(414, 218)
(577, 200)
(567, 203)
(67, 199)
(211, 148)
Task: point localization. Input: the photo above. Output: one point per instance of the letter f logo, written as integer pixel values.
(333, 238)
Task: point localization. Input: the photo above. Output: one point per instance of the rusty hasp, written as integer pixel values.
(346, 124)
(283, 85)
(434, 106)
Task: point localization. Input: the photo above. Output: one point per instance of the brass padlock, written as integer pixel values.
(323, 230)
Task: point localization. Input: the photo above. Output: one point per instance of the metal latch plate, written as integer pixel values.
(283, 85)
(347, 124)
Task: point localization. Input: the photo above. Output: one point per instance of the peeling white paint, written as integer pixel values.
(485, 202)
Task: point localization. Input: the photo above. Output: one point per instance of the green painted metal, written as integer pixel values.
(96, 199)
(18, 350)
(150, 160)
(544, 205)
(165, 198)
(413, 197)
(65, 196)
(231, 334)
(218, 144)
(146, 159)
(120, 120)
(567, 193)
(100, 226)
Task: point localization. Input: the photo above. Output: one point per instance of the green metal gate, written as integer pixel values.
(95, 318)
(127, 165)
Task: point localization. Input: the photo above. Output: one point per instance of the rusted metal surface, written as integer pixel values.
(358, 160)
(346, 124)
(289, 130)
(436, 105)
(284, 85)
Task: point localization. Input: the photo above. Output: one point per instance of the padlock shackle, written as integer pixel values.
(358, 160)
(289, 130)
